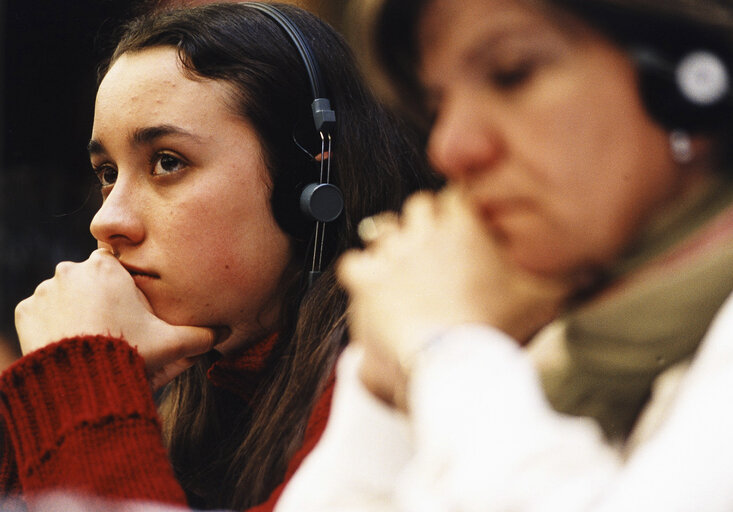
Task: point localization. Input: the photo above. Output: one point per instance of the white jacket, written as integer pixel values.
(480, 436)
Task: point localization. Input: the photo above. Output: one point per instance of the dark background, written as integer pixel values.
(50, 52)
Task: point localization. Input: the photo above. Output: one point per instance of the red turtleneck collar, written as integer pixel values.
(241, 374)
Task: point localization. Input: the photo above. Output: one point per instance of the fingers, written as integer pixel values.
(176, 356)
(103, 252)
(374, 231)
(420, 210)
(194, 341)
(349, 268)
(382, 234)
(373, 228)
(169, 372)
(104, 260)
(174, 343)
(175, 353)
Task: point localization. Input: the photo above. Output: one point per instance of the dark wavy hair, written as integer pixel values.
(227, 456)
(671, 26)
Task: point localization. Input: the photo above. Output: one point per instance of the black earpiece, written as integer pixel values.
(321, 202)
(689, 91)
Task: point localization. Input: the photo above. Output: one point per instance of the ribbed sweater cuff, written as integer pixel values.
(75, 383)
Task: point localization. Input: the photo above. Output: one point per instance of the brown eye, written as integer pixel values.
(512, 78)
(167, 163)
(106, 175)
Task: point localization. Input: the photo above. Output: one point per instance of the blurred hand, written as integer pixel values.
(99, 297)
(436, 267)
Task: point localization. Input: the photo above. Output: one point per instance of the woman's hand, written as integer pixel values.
(99, 297)
(434, 268)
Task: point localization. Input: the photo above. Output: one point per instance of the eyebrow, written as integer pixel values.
(488, 42)
(146, 136)
(484, 42)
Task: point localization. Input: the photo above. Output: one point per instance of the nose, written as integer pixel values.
(464, 140)
(118, 222)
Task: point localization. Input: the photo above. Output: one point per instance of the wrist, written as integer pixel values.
(409, 353)
(435, 345)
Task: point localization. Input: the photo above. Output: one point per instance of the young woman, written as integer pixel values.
(588, 149)
(203, 141)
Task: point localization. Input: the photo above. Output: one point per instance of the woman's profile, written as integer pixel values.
(204, 138)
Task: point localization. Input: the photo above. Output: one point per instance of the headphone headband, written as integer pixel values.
(321, 201)
(324, 117)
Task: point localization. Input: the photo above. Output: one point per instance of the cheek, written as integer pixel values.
(585, 222)
(618, 179)
(238, 244)
(586, 116)
(600, 166)
(227, 262)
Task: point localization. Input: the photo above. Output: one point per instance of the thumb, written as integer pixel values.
(191, 341)
(174, 343)
(179, 355)
(167, 373)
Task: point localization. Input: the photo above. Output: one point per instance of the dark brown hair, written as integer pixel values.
(227, 456)
(668, 25)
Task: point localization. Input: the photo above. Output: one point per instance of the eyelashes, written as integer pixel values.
(106, 174)
(161, 163)
(513, 77)
(164, 163)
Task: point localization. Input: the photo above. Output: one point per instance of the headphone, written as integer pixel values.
(689, 90)
(322, 201)
(684, 67)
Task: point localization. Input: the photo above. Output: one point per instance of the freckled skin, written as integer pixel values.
(206, 229)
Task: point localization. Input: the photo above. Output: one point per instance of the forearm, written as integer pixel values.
(486, 439)
(480, 437)
(362, 451)
(9, 484)
(81, 419)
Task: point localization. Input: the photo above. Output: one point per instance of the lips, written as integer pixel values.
(138, 272)
(493, 210)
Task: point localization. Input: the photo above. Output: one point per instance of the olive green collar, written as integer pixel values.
(601, 358)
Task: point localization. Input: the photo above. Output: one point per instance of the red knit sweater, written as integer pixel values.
(78, 416)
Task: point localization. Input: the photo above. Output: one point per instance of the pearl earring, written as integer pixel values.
(680, 144)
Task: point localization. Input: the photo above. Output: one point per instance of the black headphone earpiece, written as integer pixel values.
(322, 201)
(688, 91)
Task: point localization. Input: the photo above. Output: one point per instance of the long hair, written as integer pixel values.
(662, 24)
(227, 456)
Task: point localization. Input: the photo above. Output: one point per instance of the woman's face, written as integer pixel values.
(186, 197)
(542, 124)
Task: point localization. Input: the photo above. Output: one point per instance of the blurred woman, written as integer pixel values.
(590, 219)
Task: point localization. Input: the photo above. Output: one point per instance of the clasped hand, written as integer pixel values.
(99, 297)
(435, 267)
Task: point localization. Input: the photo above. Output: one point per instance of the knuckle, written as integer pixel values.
(103, 261)
(351, 269)
(419, 200)
(345, 264)
(20, 309)
(41, 290)
(98, 257)
(63, 269)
